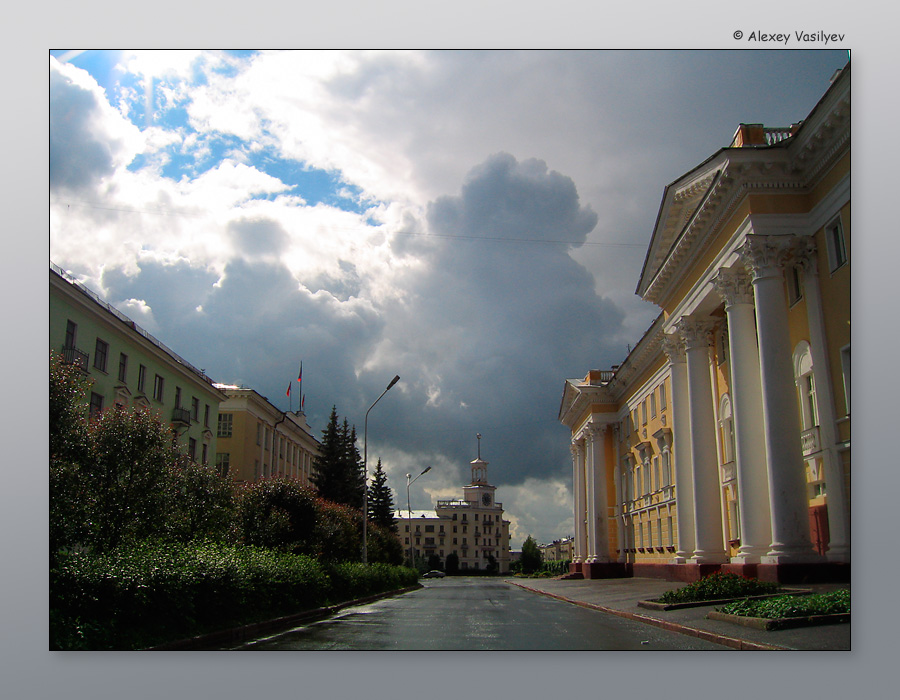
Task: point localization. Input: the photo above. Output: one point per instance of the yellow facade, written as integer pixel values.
(723, 439)
(256, 440)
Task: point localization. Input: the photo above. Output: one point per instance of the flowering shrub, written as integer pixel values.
(718, 586)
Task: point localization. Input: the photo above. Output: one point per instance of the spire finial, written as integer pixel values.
(478, 435)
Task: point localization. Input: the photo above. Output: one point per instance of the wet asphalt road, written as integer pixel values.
(475, 614)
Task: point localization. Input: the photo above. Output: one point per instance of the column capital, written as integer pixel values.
(734, 286)
(673, 346)
(805, 254)
(695, 331)
(594, 430)
(766, 256)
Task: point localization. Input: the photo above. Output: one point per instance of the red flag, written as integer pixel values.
(300, 376)
(303, 402)
(288, 393)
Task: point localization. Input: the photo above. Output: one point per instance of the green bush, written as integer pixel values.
(791, 606)
(278, 513)
(718, 586)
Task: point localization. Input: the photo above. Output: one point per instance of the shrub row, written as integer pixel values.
(718, 586)
(150, 592)
(831, 603)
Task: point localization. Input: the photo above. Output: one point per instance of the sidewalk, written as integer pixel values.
(620, 597)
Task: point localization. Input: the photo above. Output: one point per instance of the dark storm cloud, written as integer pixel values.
(492, 327)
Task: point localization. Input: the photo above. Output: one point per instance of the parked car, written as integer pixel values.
(434, 573)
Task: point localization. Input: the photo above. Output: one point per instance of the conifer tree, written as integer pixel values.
(338, 469)
(381, 501)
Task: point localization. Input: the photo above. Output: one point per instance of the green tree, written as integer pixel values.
(531, 558)
(337, 469)
(201, 502)
(280, 514)
(131, 456)
(381, 500)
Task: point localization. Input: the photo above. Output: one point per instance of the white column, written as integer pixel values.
(681, 430)
(598, 522)
(836, 495)
(620, 495)
(764, 256)
(746, 400)
(578, 489)
(708, 537)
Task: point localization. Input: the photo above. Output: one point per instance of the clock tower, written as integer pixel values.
(479, 491)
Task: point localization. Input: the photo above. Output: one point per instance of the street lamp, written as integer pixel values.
(409, 513)
(365, 547)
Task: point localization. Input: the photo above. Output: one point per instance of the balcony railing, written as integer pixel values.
(74, 356)
(776, 135)
(181, 415)
(809, 439)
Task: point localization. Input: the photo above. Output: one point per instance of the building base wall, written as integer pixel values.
(604, 570)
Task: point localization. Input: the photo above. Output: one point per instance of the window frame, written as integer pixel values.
(101, 355)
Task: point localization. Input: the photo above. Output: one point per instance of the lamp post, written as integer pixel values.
(365, 542)
(409, 513)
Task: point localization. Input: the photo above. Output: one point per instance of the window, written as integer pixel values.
(205, 456)
(795, 285)
(223, 462)
(662, 396)
(101, 350)
(258, 432)
(177, 397)
(158, 385)
(96, 404)
(644, 412)
(845, 369)
(726, 423)
(142, 377)
(192, 449)
(206, 415)
(653, 405)
(834, 240)
(429, 528)
(806, 386)
(225, 427)
(71, 333)
(195, 409)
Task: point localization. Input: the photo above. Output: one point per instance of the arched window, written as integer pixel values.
(726, 425)
(806, 386)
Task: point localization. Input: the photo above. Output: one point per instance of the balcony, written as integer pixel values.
(74, 356)
(809, 440)
(181, 416)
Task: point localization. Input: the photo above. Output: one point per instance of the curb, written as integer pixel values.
(238, 635)
(731, 642)
(655, 605)
(781, 623)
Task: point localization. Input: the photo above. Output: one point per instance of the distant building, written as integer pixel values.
(722, 442)
(256, 440)
(130, 368)
(472, 527)
(558, 550)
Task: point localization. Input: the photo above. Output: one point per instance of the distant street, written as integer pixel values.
(459, 613)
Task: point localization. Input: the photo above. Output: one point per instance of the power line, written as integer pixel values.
(462, 237)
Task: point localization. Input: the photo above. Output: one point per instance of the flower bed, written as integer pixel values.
(781, 612)
(715, 588)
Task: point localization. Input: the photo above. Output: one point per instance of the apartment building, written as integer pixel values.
(128, 367)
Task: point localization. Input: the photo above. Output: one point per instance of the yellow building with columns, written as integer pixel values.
(722, 442)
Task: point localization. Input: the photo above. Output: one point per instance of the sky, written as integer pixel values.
(473, 221)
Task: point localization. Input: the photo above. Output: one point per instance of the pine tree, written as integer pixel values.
(531, 556)
(338, 469)
(381, 501)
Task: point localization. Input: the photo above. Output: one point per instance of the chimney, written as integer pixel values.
(749, 135)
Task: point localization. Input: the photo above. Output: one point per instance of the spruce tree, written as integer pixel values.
(381, 501)
(338, 468)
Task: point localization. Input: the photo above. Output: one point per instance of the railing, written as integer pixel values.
(777, 135)
(181, 415)
(809, 439)
(74, 356)
(128, 322)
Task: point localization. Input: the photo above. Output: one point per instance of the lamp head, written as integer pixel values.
(393, 381)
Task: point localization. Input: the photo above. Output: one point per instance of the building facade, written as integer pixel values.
(256, 440)
(128, 367)
(723, 440)
(471, 527)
